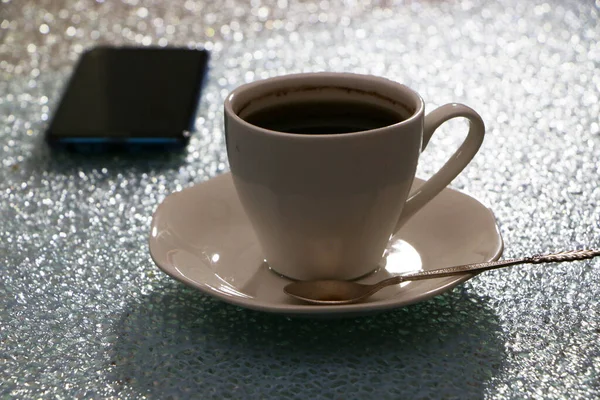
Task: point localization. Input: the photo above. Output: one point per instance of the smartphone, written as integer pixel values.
(130, 98)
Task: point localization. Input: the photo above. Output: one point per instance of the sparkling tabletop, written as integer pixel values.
(85, 313)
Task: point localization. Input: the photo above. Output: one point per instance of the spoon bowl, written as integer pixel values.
(329, 291)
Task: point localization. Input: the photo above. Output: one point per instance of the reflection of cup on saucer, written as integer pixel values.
(323, 164)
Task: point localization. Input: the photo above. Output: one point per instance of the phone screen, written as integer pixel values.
(130, 95)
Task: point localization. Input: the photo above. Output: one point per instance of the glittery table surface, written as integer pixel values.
(84, 312)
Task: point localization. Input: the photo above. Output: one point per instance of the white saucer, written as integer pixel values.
(202, 237)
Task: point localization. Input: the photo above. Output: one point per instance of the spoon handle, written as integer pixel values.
(573, 255)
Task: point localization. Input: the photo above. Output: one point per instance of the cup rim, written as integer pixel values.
(419, 110)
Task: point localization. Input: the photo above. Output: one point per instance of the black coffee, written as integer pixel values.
(324, 117)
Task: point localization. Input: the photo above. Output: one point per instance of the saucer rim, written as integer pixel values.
(310, 309)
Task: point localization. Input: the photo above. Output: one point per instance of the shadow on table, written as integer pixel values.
(178, 342)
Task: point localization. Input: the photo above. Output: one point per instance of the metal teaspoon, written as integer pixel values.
(338, 292)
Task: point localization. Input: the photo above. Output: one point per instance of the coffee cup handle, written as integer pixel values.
(454, 165)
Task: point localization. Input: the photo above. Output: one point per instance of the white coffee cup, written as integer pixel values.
(325, 206)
